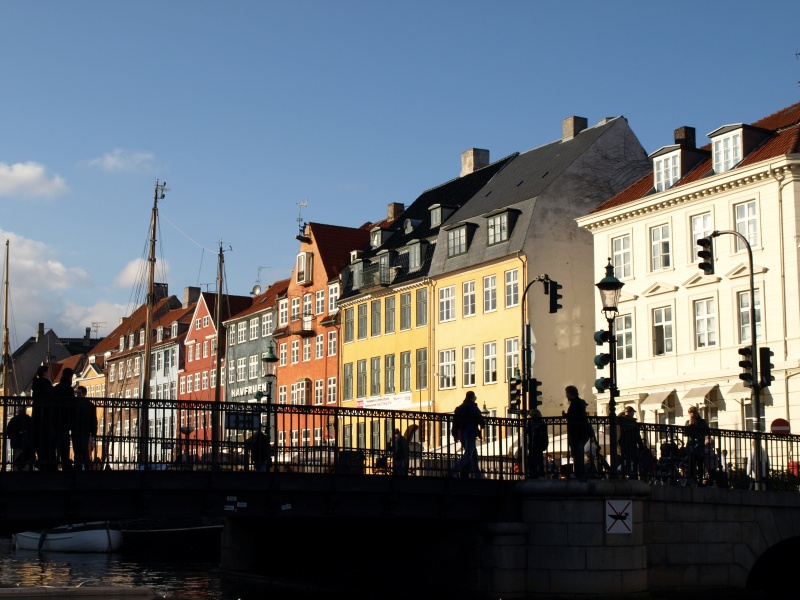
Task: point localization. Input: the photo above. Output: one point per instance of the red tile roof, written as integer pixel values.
(334, 244)
(786, 140)
(265, 299)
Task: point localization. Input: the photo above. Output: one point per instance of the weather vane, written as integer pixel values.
(301, 226)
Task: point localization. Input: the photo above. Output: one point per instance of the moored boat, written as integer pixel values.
(99, 536)
(80, 592)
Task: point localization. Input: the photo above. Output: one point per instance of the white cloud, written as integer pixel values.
(119, 160)
(135, 274)
(29, 179)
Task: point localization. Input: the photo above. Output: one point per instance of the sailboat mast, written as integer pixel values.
(215, 421)
(6, 349)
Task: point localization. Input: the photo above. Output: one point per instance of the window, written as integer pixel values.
(267, 326)
(282, 395)
(319, 351)
(746, 224)
(405, 311)
(242, 332)
(362, 321)
(662, 331)
(319, 391)
(306, 349)
(332, 343)
(388, 384)
(320, 302)
(205, 380)
(667, 171)
(456, 241)
(348, 381)
(332, 387)
(295, 351)
(252, 371)
(295, 309)
(241, 367)
(348, 325)
(303, 268)
(189, 386)
(701, 228)
(468, 293)
(659, 247)
(111, 371)
(447, 304)
(307, 301)
(414, 257)
(422, 368)
(436, 216)
(283, 354)
(750, 418)
(283, 313)
(621, 253)
(727, 152)
(137, 362)
(743, 302)
(190, 353)
(206, 321)
(361, 389)
(490, 362)
(447, 369)
(254, 329)
(232, 334)
(389, 315)
(333, 298)
(213, 379)
(623, 329)
(490, 293)
(405, 371)
(512, 288)
(422, 307)
(512, 357)
(498, 228)
(375, 318)
(468, 366)
(705, 323)
(231, 374)
(375, 377)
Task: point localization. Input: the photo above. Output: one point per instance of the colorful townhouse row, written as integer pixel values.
(412, 311)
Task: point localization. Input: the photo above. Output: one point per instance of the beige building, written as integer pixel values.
(678, 330)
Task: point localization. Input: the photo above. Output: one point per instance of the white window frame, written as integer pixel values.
(490, 293)
(319, 346)
(489, 363)
(447, 369)
(333, 298)
(705, 323)
(319, 302)
(468, 376)
(743, 316)
(512, 288)
(660, 247)
(468, 299)
(702, 227)
(511, 356)
(623, 330)
(667, 171)
(663, 330)
(621, 256)
(745, 215)
(447, 304)
(332, 343)
(456, 241)
(497, 229)
(727, 151)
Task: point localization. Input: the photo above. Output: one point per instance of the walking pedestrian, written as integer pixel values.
(579, 431)
(467, 423)
(399, 454)
(42, 420)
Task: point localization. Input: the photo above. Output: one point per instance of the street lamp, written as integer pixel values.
(610, 288)
(271, 367)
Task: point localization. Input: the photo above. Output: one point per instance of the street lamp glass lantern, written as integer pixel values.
(610, 288)
(270, 360)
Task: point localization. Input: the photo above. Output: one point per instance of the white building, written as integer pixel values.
(678, 330)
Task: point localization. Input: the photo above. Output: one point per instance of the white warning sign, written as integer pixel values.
(619, 516)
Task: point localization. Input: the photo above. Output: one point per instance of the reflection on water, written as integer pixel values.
(172, 578)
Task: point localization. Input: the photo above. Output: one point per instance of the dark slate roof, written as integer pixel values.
(264, 300)
(453, 194)
(231, 305)
(785, 139)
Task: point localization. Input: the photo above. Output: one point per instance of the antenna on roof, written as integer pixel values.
(207, 284)
(96, 325)
(300, 224)
(257, 287)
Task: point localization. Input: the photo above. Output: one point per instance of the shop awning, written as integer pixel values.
(740, 389)
(701, 391)
(655, 400)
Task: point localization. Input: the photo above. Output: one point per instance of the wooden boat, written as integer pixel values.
(99, 536)
(80, 592)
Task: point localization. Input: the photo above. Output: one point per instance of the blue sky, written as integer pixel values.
(248, 108)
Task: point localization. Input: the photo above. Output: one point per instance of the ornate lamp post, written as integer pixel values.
(271, 367)
(610, 288)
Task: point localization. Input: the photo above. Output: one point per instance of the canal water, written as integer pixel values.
(172, 577)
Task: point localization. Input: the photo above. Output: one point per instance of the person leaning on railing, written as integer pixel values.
(696, 430)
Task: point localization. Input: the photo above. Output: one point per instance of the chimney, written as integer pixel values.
(190, 296)
(685, 137)
(87, 337)
(160, 291)
(395, 210)
(40, 332)
(473, 159)
(572, 126)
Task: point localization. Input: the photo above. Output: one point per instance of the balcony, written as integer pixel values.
(374, 276)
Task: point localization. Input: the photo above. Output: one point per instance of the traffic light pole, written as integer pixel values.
(755, 390)
(526, 343)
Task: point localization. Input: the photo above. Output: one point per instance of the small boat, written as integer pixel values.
(80, 592)
(99, 536)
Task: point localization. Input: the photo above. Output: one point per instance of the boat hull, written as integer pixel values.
(84, 537)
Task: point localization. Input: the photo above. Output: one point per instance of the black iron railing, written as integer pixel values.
(324, 439)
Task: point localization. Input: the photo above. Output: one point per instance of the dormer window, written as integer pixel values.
(436, 215)
(498, 228)
(667, 171)
(358, 274)
(303, 268)
(130, 341)
(727, 152)
(122, 343)
(160, 334)
(416, 254)
(456, 241)
(141, 338)
(174, 330)
(409, 225)
(375, 238)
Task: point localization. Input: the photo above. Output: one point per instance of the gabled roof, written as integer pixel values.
(133, 324)
(231, 305)
(264, 300)
(785, 139)
(334, 244)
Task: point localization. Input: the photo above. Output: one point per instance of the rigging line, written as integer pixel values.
(199, 270)
(185, 235)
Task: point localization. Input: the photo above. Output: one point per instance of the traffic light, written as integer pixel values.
(747, 365)
(534, 393)
(765, 366)
(602, 337)
(603, 384)
(514, 394)
(555, 296)
(707, 255)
